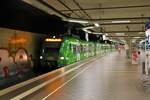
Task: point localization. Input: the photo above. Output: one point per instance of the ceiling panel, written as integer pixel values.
(123, 27)
(111, 3)
(106, 9)
(119, 13)
(56, 4)
(70, 3)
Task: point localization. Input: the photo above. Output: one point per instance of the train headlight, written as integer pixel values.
(62, 58)
(41, 57)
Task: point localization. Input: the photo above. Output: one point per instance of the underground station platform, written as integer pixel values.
(110, 77)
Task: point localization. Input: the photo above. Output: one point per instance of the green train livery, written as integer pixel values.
(58, 52)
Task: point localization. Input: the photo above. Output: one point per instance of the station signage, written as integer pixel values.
(148, 25)
(147, 32)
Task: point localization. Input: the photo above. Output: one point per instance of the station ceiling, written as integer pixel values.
(19, 15)
(118, 18)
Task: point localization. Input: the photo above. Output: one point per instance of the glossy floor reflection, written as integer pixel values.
(109, 78)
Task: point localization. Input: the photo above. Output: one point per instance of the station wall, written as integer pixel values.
(19, 51)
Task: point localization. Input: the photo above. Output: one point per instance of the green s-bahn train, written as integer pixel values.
(58, 52)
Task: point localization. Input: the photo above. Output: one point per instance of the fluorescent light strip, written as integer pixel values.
(137, 37)
(88, 27)
(96, 33)
(78, 21)
(87, 31)
(121, 21)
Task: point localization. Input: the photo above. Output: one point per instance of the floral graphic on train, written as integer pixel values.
(10, 65)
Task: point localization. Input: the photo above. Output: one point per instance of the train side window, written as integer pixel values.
(74, 48)
(70, 47)
(78, 48)
(81, 48)
(86, 48)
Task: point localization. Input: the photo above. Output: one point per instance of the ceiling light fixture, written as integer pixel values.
(90, 27)
(96, 33)
(141, 32)
(121, 21)
(87, 31)
(137, 37)
(106, 34)
(78, 21)
(133, 41)
(96, 24)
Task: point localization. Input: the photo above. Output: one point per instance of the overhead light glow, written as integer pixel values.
(87, 31)
(133, 41)
(137, 37)
(97, 33)
(78, 21)
(90, 27)
(121, 21)
(53, 40)
(96, 24)
(106, 34)
(141, 32)
(121, 34)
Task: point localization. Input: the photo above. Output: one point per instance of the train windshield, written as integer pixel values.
(52, 51)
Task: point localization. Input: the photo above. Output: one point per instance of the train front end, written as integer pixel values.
(50, 52)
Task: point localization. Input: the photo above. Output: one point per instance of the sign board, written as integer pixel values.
(148, 25)
(147, 33)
